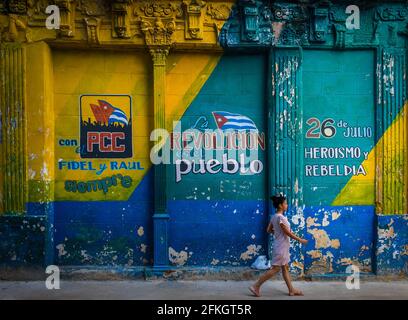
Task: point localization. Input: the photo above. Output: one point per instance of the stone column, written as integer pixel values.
(160, 217)
(158, 30)
(13, 128)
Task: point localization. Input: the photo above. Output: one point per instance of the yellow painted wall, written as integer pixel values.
(40, 122)
(78, 72)
(360, 190)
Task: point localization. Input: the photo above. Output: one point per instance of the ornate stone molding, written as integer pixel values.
(158, 31)
(290, 25)
(92, 30)
(121, 11)
(194, 19)
(216, 15)
(392, 14)
(256, 23)
(162, 9)
(36, 12)
(10, 32)
(218, 11)
(94, 8)
(158, 22)
(320, 23)
(192, 23)
(404, 32)
(387, 21)
(14, 6)
(186, 23)
(67, 12)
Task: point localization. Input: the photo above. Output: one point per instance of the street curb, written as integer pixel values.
(105, 273)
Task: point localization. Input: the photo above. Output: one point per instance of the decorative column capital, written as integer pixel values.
(16, 30)
(158, 22)
(159, 55)
(158, 31)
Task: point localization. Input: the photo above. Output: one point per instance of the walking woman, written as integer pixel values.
(279, 226)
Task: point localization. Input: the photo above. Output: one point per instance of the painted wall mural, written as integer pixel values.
(339, 124)
(232, 207)
(267, 97)
(99, 151)
(339, 135)
(123, 185)
(223, 150)
(106, 126)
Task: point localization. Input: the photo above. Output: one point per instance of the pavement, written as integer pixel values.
(199, 290)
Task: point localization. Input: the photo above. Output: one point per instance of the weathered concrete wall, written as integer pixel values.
(290, 72)
(226, 212)
(392, 249)
(22, 240)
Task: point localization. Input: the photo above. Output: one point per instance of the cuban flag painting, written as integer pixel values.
(233, 121)
(106, 126)
(108, 114)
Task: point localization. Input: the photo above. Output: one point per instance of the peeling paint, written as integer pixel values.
(346, 261)
(325, 221)
(251, 252)
(140, 231)
(384, 234)
(87, 245)
(178, 258)
(315, 254)
(44, 172)
(310, 222)
(322, 239)
(61, 250)
(298, 265)
(31, 173)
(298, 219)
(335, 215)
(335, 243)
(85, 255)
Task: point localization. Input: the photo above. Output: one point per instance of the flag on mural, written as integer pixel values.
(107, 114)
(227, 120)
(106, 126)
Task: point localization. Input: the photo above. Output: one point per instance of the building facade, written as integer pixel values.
(304, 98)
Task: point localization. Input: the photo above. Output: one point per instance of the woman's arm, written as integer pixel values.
(292, 235)
(269, 229)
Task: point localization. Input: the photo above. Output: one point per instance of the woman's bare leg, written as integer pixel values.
(286, 276)
(266, 276)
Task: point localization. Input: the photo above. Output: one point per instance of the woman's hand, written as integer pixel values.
(303, 241)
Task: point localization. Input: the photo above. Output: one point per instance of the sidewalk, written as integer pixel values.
(199, 290)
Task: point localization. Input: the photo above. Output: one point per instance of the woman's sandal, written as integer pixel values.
(296, 293)
(255, 293)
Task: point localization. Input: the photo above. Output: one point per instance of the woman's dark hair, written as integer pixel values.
(277, 200)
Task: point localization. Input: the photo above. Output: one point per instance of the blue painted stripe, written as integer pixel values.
(119, 113)
(240, 120)
(226, 126)
(120, 120)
